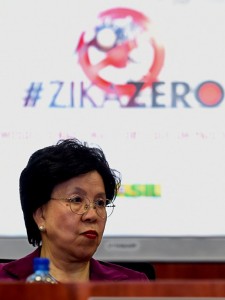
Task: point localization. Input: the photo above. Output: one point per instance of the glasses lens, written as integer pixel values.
(109, 208)
(77, 204)
(104, 207)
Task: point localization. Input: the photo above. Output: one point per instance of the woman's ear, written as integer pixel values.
(38, 216)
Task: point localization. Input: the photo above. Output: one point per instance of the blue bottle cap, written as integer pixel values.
(41, 263)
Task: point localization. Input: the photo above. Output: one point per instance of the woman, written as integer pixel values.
(67, 192)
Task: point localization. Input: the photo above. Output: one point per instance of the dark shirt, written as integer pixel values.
(20, 269)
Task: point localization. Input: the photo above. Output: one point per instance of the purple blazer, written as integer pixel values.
(21, 268)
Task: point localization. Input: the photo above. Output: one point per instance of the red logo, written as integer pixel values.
(122, 50)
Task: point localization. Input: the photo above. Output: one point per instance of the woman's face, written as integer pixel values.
(68, 234)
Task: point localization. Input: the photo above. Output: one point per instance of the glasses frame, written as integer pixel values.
(87, 206)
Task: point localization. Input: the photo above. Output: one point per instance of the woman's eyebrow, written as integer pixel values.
(79, 190)
(84, 193)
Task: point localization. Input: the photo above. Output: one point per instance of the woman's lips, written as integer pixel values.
(90, 234)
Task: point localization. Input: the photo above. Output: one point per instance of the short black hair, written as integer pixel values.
(55, 164)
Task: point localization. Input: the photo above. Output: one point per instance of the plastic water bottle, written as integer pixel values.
(41, 271)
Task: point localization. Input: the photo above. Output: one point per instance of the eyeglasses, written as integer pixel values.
(80, 204)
